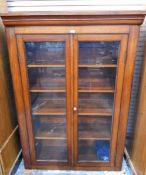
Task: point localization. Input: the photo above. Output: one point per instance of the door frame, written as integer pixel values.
(21, 39)
(123, 38)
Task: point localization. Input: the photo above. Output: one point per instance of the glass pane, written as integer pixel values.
(46, 78)
(96, 103)
(51, 150)
(45, 52)
(98, 52)
(93, 150)
(49, 127)
(46, 103)
(50, 137)
(47, 86)
(94, 133)
(97, 78)
(94, 127)
(97, 64)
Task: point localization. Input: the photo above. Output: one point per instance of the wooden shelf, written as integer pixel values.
(51, 131)
(48, 85)
(51, 153)
(89, 128)
(97, 65)
(85, 85)
(93, 138)
(45, 65)
(52, 111)
(98, 90)
(49, 104)
(57, 106)
(94, 128)
(89, 156)
(50, 138)
(47, 90)
(100, 112)
(80, 65)
(97, 80)
(95, 135)
(59, 111)
(86, 90)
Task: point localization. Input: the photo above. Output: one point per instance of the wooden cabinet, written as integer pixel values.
(72, 78)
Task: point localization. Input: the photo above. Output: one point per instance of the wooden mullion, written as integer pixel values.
(68, 99)
(75, 97)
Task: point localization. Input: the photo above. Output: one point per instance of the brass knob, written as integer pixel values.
(72, 31)
(75, 108)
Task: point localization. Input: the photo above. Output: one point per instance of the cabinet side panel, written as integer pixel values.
(17, 85)
(128, 75)
(139, 141)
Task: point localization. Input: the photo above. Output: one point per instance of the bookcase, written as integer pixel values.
(72, 75)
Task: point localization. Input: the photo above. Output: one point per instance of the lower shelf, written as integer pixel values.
(88, 151)
(51, 150)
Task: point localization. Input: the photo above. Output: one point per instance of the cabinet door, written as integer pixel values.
(99, 70)
(45, 71)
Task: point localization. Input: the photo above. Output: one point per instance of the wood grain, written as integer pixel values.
(45, 110)
(35, 27)
(74, 18)
(125, 101)
(7, 109)
(9, 143)
(15, 70)
(138, 154)
(78, 29)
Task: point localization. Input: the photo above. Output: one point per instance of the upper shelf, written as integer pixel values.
(45, 65)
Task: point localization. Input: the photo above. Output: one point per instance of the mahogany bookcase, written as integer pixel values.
(72, 75)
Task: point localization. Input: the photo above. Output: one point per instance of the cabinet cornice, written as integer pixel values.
(73, 18)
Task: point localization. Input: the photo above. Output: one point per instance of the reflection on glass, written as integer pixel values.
(98, 52)
(45, 52)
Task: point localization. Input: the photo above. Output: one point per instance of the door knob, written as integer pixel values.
(75, 108)
(72, 31)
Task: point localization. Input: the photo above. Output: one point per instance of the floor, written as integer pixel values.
(21, 171)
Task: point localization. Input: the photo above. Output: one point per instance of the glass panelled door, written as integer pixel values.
(97, 61)
(46, 59)
(72, 95)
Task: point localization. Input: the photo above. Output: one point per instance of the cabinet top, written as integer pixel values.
(73, 18)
